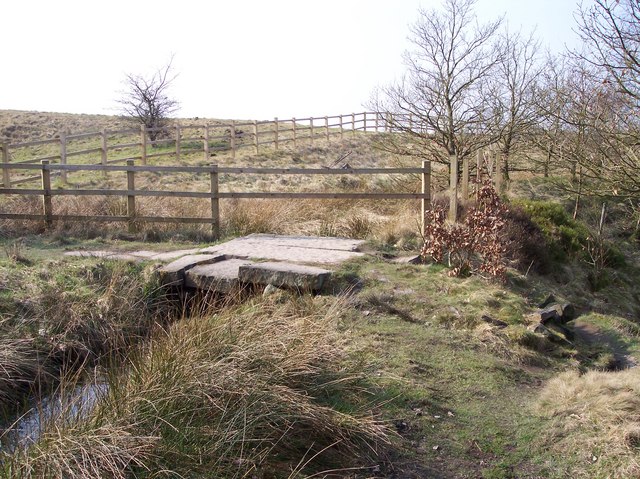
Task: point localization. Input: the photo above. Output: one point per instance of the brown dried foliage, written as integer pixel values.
(475, 244)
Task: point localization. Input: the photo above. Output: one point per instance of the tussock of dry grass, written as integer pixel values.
(250, 391)
(21, 368)
(64, 317)
(596, 416)
(390, 222)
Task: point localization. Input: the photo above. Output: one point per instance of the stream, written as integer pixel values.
(70, 405)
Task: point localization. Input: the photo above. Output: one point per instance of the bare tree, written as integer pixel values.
(147, 100)
(512, 93)
(564, 101)
(610, 30)
(439, 103)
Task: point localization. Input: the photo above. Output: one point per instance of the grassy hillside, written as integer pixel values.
(397, 370)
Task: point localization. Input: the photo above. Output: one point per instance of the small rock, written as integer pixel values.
(568, 312)
(269, 290)
(551, 314)
(450, 414)
(407, 260)
(435, 448)
(401, 425)
(494, 322)
(549, 300)
(437, 417)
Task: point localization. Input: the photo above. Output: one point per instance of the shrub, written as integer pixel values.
(565, 235)
(476, 244)
(527, 248)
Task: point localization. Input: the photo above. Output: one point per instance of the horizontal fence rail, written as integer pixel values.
(214, 194)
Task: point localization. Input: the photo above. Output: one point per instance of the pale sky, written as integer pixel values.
(240, 59)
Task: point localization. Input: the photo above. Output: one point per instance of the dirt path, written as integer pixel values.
(591, 334)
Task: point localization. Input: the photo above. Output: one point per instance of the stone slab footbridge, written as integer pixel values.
(293, 262)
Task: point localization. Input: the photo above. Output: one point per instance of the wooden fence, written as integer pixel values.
(108, 147)
(214, 194)
(100, 151)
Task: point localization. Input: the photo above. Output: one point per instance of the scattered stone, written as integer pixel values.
(407, 260)
(401, 425)
(552, 314)
(450, 414)
(549, 300)
(568, 312)
(435, 448)
(494, 322)
(270, 290)
(294, 276)
(557, 316)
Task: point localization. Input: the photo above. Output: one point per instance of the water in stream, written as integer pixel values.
(66, 405)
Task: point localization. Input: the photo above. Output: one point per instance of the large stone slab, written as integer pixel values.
(170, 255)
(174, 273)
(220, 277)
(133, 255)
(104, 255)
(292, 249)
(294, 276)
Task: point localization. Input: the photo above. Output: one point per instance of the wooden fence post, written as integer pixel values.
(46, 194)
(388, 124)
(353, 124)
(341, 129)
(143, 144)
(479, 158)
(255, 135)
(233, 139)
(311, 131)
(498, 172)
(275, 132)
(465, 178)
(215, 203)
(103, 150)
(131, 197)
(425, 202)
(364, 122)
(63, 155)
(6, 180)
(453, 187)
(410, 121)
(378, 121)
(295, 133)
(326, 125)
(177, 142)
(205, 142)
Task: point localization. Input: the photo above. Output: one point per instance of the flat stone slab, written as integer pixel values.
(174, 272)
(133, 255)
(292, 249)
(294, 276)
(169, 255)
(105, 255)
(220, 277)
